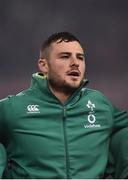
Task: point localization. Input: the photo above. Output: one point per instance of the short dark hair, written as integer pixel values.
(61, 36)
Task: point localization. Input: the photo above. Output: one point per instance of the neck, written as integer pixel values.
(61, 95)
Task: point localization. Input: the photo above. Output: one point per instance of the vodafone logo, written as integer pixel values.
(33, 108)
(91, 118)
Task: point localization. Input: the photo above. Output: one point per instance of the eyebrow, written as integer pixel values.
(68, 53)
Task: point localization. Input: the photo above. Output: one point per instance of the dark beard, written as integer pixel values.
(61, 87)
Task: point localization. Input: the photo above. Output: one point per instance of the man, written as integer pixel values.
(58, 128)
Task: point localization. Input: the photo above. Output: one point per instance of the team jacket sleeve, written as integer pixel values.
(120, 118)
(118, 155)
(2, 149)
(1, 119)
(117, 167)
(3, 160)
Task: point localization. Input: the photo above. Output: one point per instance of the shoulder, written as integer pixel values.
(15, 98)
(98, 95)
(99, 99)
(12, 105)
(93, 92)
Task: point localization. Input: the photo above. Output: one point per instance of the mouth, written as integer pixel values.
(73, 73)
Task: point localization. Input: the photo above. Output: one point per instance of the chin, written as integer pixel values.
(74, 85)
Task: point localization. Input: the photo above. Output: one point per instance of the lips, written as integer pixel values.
(73, 73)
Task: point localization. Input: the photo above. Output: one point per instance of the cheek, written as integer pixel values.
(83, 67)
(61, 67)
(58, 69)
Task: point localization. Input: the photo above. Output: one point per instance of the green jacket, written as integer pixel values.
(118, 159)
(47, 139)
(2, 159)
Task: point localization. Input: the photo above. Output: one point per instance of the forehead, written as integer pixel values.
(72, 46)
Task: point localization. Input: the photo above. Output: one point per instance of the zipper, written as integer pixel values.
(66, 143)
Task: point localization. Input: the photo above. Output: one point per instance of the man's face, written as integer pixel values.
(66, 66)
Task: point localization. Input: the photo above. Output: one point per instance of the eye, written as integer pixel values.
(81, 58)
(64, 57)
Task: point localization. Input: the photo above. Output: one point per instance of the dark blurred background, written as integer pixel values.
(101, 25)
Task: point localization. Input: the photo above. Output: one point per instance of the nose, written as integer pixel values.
(74, 62)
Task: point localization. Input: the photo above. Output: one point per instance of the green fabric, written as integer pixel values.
(3, 159)
(118, 165)
(46, 139)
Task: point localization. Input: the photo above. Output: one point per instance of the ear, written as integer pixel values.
(43, 66)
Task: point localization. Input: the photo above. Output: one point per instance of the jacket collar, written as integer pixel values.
(39, 83)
